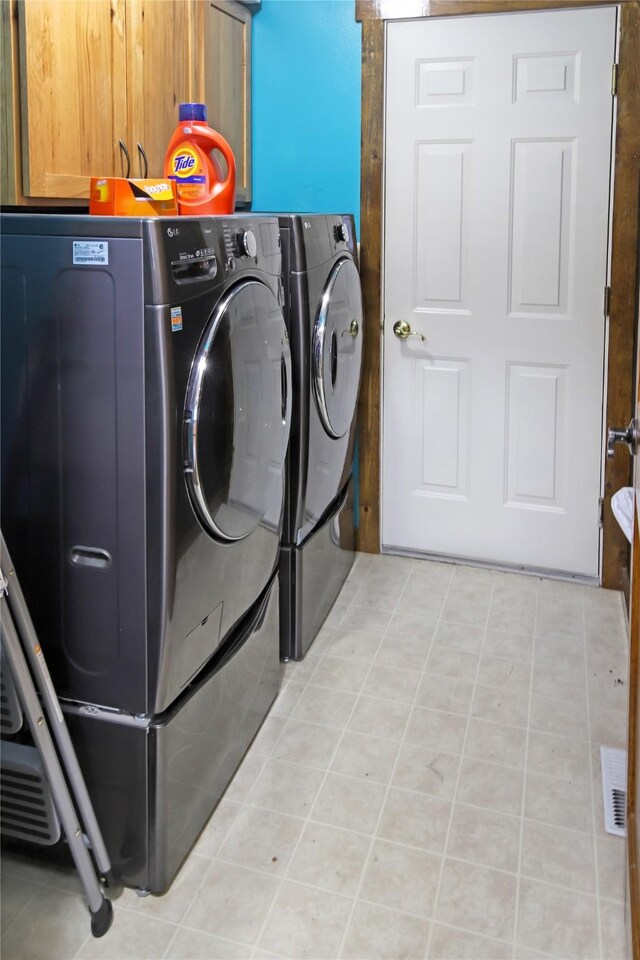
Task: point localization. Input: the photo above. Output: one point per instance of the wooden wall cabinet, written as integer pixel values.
(79, 76)
(225, 74)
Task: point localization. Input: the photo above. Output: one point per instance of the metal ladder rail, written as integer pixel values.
(100, 907)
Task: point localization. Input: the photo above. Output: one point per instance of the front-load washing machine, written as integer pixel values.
(325, 322)
(146, 406)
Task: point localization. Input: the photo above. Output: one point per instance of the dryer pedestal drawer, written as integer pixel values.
(154, 784)
(312, 576)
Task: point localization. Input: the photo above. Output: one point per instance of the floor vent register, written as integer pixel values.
(614, 790)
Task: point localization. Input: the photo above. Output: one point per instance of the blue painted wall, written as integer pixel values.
(306, 106)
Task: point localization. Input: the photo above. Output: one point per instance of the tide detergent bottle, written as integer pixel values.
(200, 183)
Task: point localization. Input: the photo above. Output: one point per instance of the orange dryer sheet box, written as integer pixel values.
(120, 197)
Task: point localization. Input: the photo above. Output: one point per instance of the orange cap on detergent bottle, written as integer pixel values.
(201, 186)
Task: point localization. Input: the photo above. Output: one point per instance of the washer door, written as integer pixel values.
(337, 349)
(238, 414)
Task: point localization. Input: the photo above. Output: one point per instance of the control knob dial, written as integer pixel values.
(247, 243)
(340, 232)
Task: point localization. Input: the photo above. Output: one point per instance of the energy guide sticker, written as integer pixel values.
(176, 319)
(90, 252)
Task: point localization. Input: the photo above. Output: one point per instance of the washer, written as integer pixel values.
(325, 322)
(146, 407)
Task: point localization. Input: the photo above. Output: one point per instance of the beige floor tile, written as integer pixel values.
(432, 576)
(320, 705)
(416, 819)
(336, 615)
(559, 717)
(194, 945)
(477, 899)
(446, 662)
(262, 840)
(615, 935)
(54, 926)
(286, 788)
(559, 856)
(485, 836)
(500, 706)
(177, 900)
(558, 756)
(609, 727)
(473, 578)
(307, 743)
(401, 878)
(368, 757)
(220, 906)
(491, 786)
(421, 603)
(413, 626)
(450, 944)
(509, 675)
(427, 771)
(379, 934)
(330, 858)
(132, 936)
(496, 743)
(457, 636)
(509, 645)
(563, 803)
(611, 854)
(555, 681)
(287, 699)
(217, 828)
(390, 683)
(380, 594)
(466, 610)
(349, 803)
(245, 777)
(16, 894)
(401, 652)
(566, 650)
(445, 693)
(340, 674)
(516, 619)
(381, 718)
(556, 921)
(353, 646)
(365, 619)
(306, 922)
(436, 730)
(268, 735)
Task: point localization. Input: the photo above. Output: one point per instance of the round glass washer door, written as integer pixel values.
(238, 413)
(336, 350)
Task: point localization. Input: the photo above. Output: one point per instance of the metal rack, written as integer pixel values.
(42, 785)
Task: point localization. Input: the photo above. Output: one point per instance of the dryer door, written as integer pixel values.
(337, 349)
(237, 415)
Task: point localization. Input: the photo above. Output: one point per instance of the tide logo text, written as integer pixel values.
(184, 162)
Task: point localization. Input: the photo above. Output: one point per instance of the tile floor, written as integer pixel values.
(426, 785)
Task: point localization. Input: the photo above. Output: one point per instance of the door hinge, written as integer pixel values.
(607, 300)
(614, 80)
(601, 512)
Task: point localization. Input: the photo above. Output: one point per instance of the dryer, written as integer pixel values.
(146, 407)
(325, 321)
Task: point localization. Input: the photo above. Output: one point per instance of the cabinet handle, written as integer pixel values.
(144, 163)
(124, 153)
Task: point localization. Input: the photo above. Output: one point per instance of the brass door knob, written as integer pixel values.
(354, 329)
(402, 330)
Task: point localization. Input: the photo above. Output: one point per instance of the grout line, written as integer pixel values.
(592, 787)
(445, 848)
(284, 877)
(524, 781)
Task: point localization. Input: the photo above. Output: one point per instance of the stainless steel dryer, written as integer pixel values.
(146, 407)
(325, 322)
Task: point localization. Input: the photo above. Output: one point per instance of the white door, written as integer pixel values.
(498, 142)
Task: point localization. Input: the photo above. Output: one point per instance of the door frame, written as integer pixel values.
(624, 229)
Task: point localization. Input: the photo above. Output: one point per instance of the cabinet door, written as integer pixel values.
(73, 106)
(160, 71)
(227, 82)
